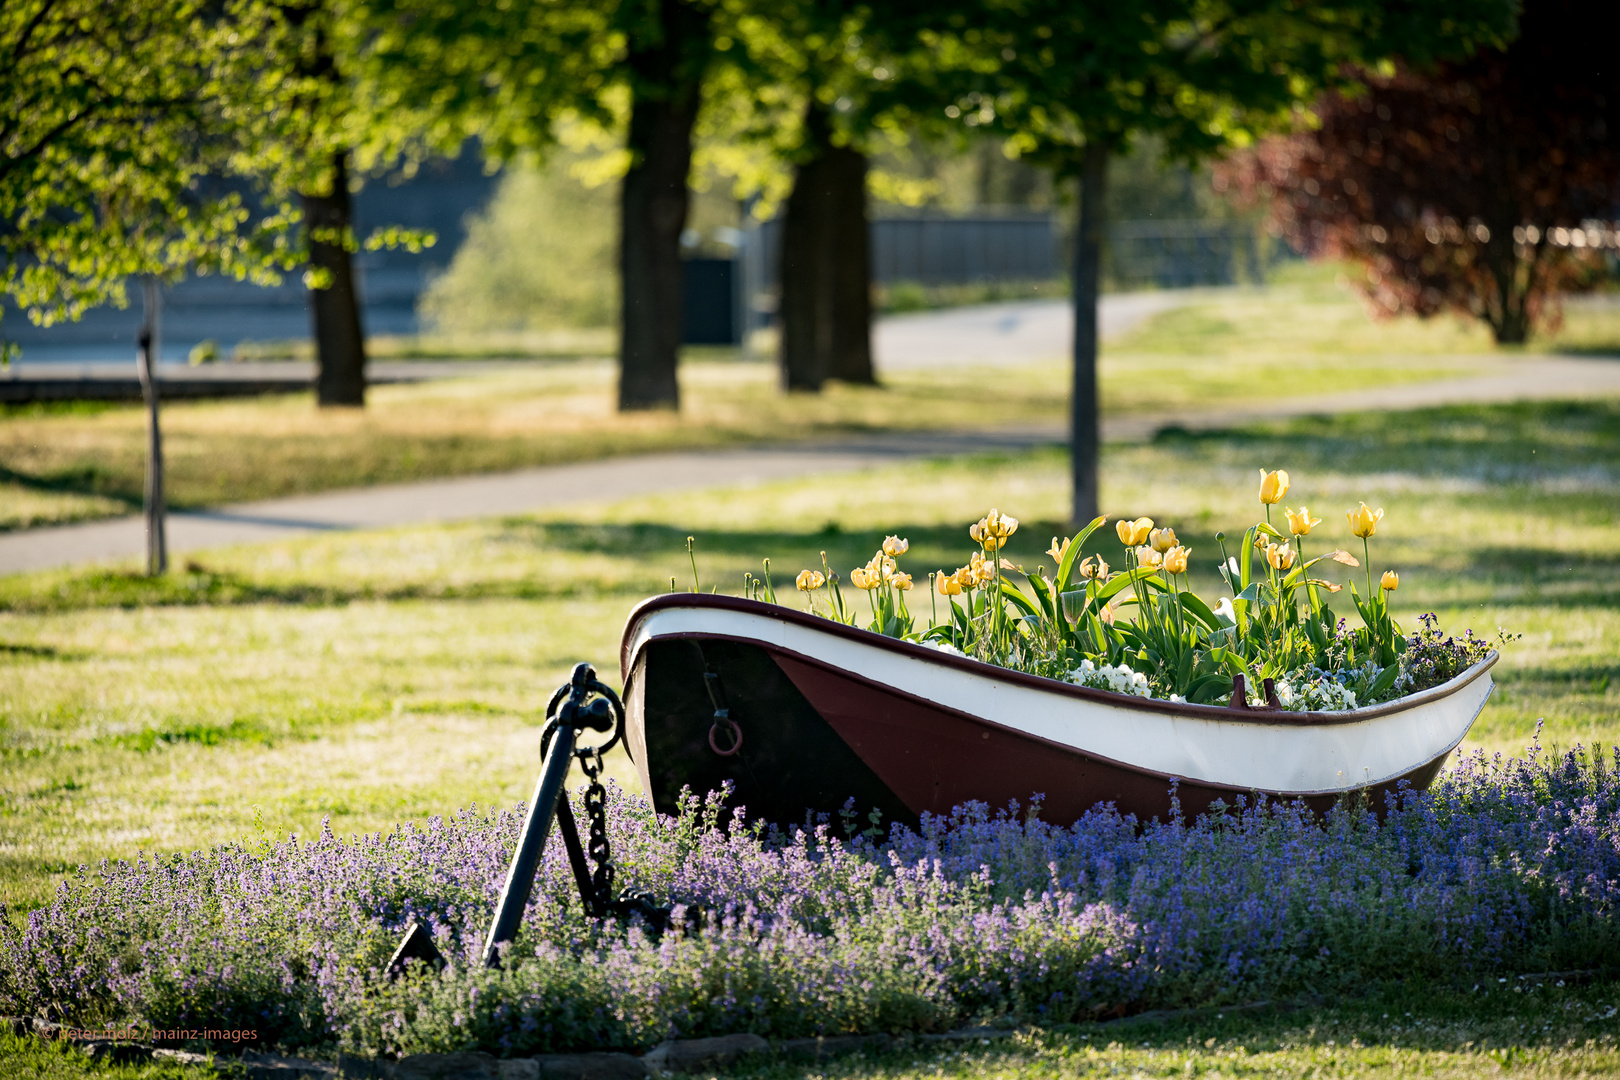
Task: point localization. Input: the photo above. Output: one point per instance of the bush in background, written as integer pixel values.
(542, 255)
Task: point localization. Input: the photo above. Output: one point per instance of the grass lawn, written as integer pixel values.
(375, 677)
(380, 676)
(1307, 336)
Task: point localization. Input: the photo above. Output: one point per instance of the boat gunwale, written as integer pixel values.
(984, 669)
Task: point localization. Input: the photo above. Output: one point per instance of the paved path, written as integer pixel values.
(626, 477)
(1009, 333)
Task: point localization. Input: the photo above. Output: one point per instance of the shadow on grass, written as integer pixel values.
(1528, 576)
(85, 478)
(35, 652)
(1524, 442)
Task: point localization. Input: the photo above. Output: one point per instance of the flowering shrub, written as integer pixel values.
(1504, 866)
(1275, 624)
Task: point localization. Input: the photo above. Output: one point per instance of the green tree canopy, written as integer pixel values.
(122, 129)
(1071, 82)
(166, 137)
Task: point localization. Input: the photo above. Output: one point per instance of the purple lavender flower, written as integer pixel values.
(1505, 865)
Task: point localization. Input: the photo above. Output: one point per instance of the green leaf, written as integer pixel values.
(1043, 593)
(1208, 688)
(1065, 569)
(1184, 670)
(1385, 680)
(1246, 562)
(1200, 610)
(1016, 595)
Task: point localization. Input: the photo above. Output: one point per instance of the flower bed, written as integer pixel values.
(1142, 631)
(1506, 866)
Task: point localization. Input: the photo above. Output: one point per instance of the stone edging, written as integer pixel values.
(667, 1059)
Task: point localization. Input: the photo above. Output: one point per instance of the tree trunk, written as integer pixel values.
(340, 344)
(826, 267)
(1084, 422)
(150, 352)
(653, 206)
(1507, 312)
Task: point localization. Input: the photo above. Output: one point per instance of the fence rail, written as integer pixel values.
(1177, 254)
(922, 248)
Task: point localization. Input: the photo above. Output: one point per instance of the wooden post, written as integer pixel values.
(151, 344)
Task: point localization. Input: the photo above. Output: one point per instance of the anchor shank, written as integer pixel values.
(548, 792)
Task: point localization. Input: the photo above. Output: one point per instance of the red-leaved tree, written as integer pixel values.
(1488, 186)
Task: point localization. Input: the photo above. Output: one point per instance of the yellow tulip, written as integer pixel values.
(1364, 521)
(1163, 539)
(893, 545)
(1273, 486)
(1134, 533)
(863, 580)
(946, 584)
(810, 579)
(1058, 549)
(992, 530)
(1093, 567)
(1175, 560)
(1146, 556)
(901, 582)
(1280, 556)
(1390, 581)
(1300, 522)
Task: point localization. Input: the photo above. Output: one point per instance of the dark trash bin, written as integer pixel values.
(709, 302)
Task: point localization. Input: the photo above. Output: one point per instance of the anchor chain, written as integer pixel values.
(602, 901)
(601, 853)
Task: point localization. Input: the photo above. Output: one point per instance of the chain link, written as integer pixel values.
(590, 761)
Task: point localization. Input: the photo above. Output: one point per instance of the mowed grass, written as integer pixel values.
(1303, 337)
(1526, 1030)
(86, 464)
(376, 677)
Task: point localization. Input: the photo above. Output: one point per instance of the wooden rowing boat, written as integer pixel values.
(814, 714)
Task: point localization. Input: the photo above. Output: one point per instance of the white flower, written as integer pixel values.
(1224, 610)
(949, 649)
(1118, 679)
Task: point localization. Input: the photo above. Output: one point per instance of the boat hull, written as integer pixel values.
(838, 720)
